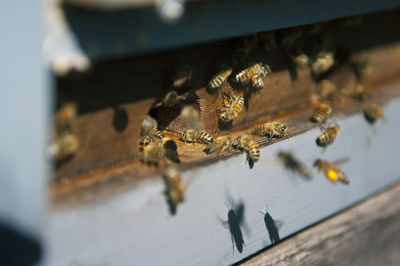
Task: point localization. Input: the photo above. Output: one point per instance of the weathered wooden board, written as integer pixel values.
(135, 227)
(366, 234)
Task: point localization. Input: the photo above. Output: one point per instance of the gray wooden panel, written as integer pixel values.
(135, 228)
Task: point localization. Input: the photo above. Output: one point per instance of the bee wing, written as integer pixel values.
(341, 161)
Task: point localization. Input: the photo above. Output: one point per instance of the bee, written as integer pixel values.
(300, 59)
(361, 66)
(152, 135)
(191, 117)
(219, 145)
(252, 149)
(331, 171)
(360, 93)
(321, 113)
(145, 140)
(291, 163)
(328, 135)
(254, 73)
(192, 136)
(66, 146)
(153, 153)
(232, 106)
(170, 99)
(174, 187)
(328, 89)
(372, 112)
(219, 79)
(322, 63)
(268, 41)
(65, 116)
(272, 129)
(182, 77)
(148, 125)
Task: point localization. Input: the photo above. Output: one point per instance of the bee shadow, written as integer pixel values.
(272, 227)
(120, 119)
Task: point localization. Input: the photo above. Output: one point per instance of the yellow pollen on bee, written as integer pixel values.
(332, 175)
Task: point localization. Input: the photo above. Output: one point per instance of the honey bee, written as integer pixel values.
(232, 106)
(148, 139)
(268, 41)
(153, 153)
(328, 90)
(331, 171)
(361, 66)
(219, 79)
(66, 145)
(291, 163)
(252, 149)
(192, 136)
(219, 145)
(300, 59)
(372, 112)
(328, 135)
(148, 125)
(182, 76)
(174, 187)
(360, 93)
(322, 63)
(321, 113)
(191, 117)
(145, 140)
(254, 73)
(65, 116)
(170, 99)
(272, 129)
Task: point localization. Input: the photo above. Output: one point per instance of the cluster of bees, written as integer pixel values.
(160, 145)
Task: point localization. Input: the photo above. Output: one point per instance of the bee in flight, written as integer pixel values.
(166, 148)
(321, 113)
(219, 79)
(328, 135)
(272, 129)
(322, 63)
(174, 187)
(192, 119)
(291, 163)
(219, 145)
(182, 76)
(231, 107)
(372, 112)
(328, 90)
(300, 59)
(331, 171)
(360, 93)
(255, 74)
(252, 149)
(65, 117)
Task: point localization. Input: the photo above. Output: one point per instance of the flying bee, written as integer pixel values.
(268, 41)
(322, 63)
(272, 129)
(65, 116)
(153, 153)
(182, 77)
(331, 171)
(321, 113)
(372, 112)
(291, 163)
(300, 59)
(232, 106)
(328, 90)
(328, 135)
(191, 117)
(219, 145)
(253, 73)
(65, 146)
(192, 136)
(174, 187)
(252, 149)
(360, 93)
(361, 66)
(219, 79)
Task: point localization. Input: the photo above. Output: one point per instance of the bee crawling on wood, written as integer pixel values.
(321, 113)
(272, 130)
(219, 145)
(322, 63)
(328, 135)
(192, 119)
(174, 187)
(252, 149)
(372, 112)
(331, 171)
(149, 132)
(219, 79)
(232, 106)
(255, 74)
(291, 163)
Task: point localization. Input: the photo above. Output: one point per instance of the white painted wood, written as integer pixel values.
(135, 228)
